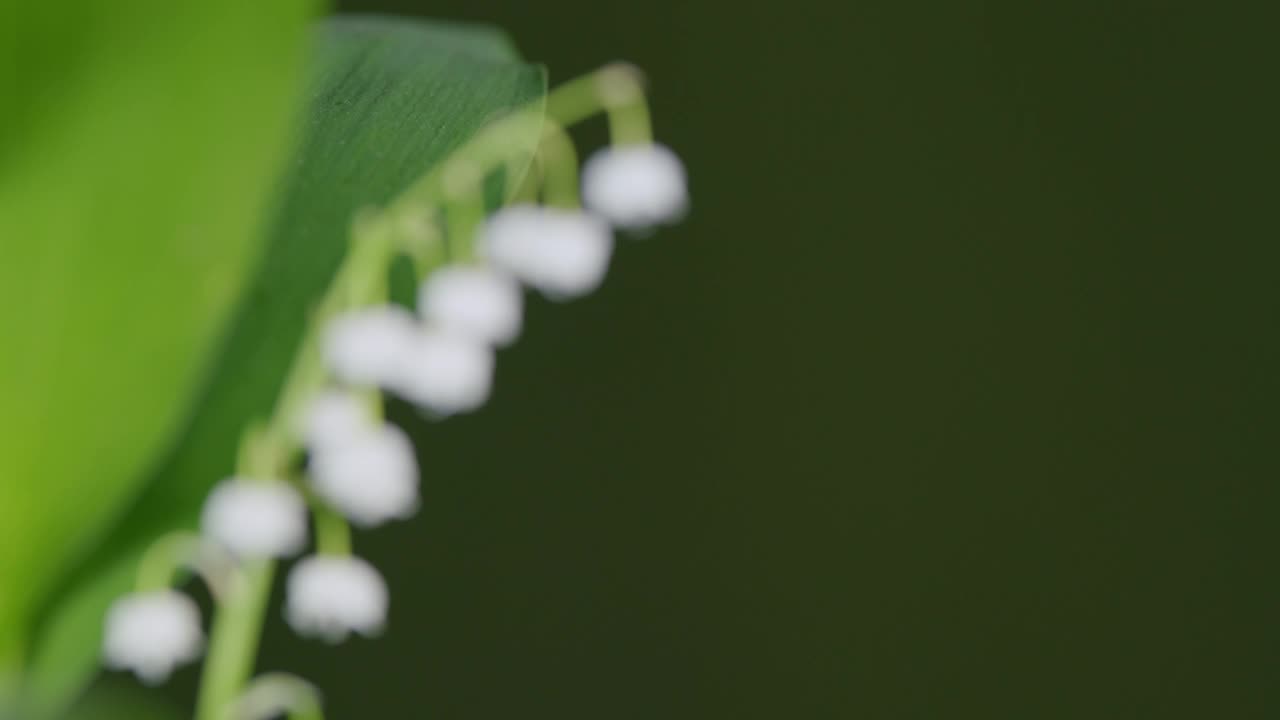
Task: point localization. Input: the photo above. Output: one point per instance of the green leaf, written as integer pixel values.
(119, 702)
(136, 152)
(389, 99)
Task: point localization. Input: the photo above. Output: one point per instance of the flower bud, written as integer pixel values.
(635, 186)
(152, 633)
(475, 302)
(256, 519)
(371, 477)
(363, 347)
(331, 596)
(563, 253)
(445, 373)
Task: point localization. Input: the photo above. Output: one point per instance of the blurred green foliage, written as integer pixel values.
(137, 144)
(119, 703)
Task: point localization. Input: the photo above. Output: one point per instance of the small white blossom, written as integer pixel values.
(330, 596)
(563, 253)
(477, 302)
(363, 346)
(446, 373)
(635, 186)
(256, 519)
(371, 477)
(331, 417)
(152, 633)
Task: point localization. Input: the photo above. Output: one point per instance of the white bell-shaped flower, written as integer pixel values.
(371, 477)
(363, 347)
(330, 596)
(635, 186)
(152, 633)
(563, 253)
(510, 237)
(331, 417)
(473, 301)
(446, 373)
(255, 518)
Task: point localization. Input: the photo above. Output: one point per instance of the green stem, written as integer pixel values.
(360, 281)
(237, 627)
(275, 693)
(421, 239)
(333, 534)
(523, 176)
(233, 642)
(617, 89)
(560, 167)
(160, 565)
(463, 216)
(268, 451)
(622, 90)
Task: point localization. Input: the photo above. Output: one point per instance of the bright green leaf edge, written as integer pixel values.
(136, 153)
(389, 98)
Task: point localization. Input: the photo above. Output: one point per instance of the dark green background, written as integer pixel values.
(954, 397)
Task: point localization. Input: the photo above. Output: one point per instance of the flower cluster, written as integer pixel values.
(440, 357)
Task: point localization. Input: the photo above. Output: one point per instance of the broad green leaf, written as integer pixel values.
(388, 99)
(110, 702)
(138, 141)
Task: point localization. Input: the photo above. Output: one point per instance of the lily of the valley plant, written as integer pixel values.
(326, 460)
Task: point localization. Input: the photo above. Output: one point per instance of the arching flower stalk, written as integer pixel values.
(358, 469)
